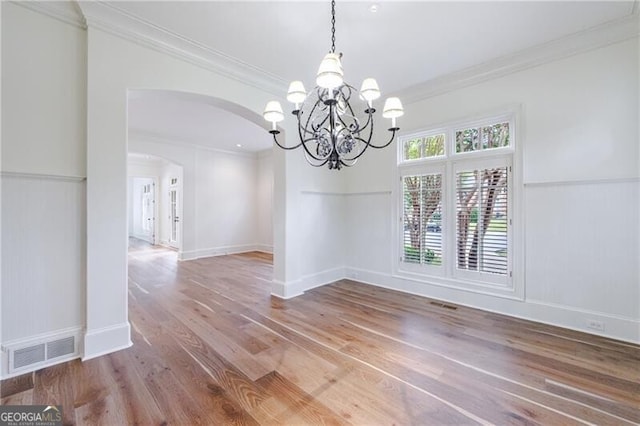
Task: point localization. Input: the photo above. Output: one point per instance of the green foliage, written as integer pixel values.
(412, 149)
(412, 255)
(473, 217)
(424, 147)
(487, 137)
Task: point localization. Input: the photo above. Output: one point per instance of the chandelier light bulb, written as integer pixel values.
(273, 113)
(296, 93)
(392, 109)
(330, 74)
(370, 90)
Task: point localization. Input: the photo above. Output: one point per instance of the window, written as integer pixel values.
(424, 147)
(479, 138)
(456, 208)
(422, 219)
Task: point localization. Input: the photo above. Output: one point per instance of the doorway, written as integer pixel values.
(174, 215)
(142, 215)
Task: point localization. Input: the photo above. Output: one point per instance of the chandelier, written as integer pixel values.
(330, 129)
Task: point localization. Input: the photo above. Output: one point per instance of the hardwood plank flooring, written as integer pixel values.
(211, 346)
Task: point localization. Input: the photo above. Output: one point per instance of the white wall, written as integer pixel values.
(226, 204)
(43, 246)
(264, 192)
(44, 94)
(579, 137)
(43, 170)
(114, 66)
(221, 197)
(65, 93)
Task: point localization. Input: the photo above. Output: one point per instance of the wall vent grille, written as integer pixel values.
(60, 347)
(29, 355)
(43, 352)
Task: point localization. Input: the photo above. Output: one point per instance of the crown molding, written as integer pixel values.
(599, 36)
(115, 21)
(64, 11)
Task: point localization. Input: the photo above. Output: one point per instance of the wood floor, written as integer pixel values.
(211, 346)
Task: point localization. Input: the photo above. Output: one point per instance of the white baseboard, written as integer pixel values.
(616, 327)
(220, 251)
(9, 346)
(285, 290)
(264, 248)
(290, 289)
(105, 340)
(142, 237)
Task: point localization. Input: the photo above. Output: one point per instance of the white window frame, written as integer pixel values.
(471, 276)
(447, 275)
(413, 170)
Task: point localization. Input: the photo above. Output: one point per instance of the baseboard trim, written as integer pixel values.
(220, 251)
(106, 340)
(285, 290)
(617, 327)
(291, 289)
(264, 248)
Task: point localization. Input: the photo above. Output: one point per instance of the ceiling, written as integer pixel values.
(403, 44)
(194, 120)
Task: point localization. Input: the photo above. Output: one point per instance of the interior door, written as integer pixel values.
(173, 214)
(148, 214)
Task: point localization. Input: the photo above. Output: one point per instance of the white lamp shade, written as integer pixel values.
(296, 93)
(392, 108)
(330, 72)
(273, 112)
(369, 90)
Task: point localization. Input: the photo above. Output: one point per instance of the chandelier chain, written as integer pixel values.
(333, 26)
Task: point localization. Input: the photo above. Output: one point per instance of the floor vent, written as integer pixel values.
(444, 305)
(60, 347)
(29, 355)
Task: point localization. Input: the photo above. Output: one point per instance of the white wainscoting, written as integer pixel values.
(43, 256)
(582, 245)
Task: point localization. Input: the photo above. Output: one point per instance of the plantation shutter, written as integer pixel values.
(482, 220)
(422, 219)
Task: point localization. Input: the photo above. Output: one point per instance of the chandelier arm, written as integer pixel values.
(288, 148)
(342, 161)
(306, 124)
(346, 126)
(366, 146)
(304, 141)
(322, 163)
(307, 151)
(369, 112)
(393, 131)
(367, 143)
